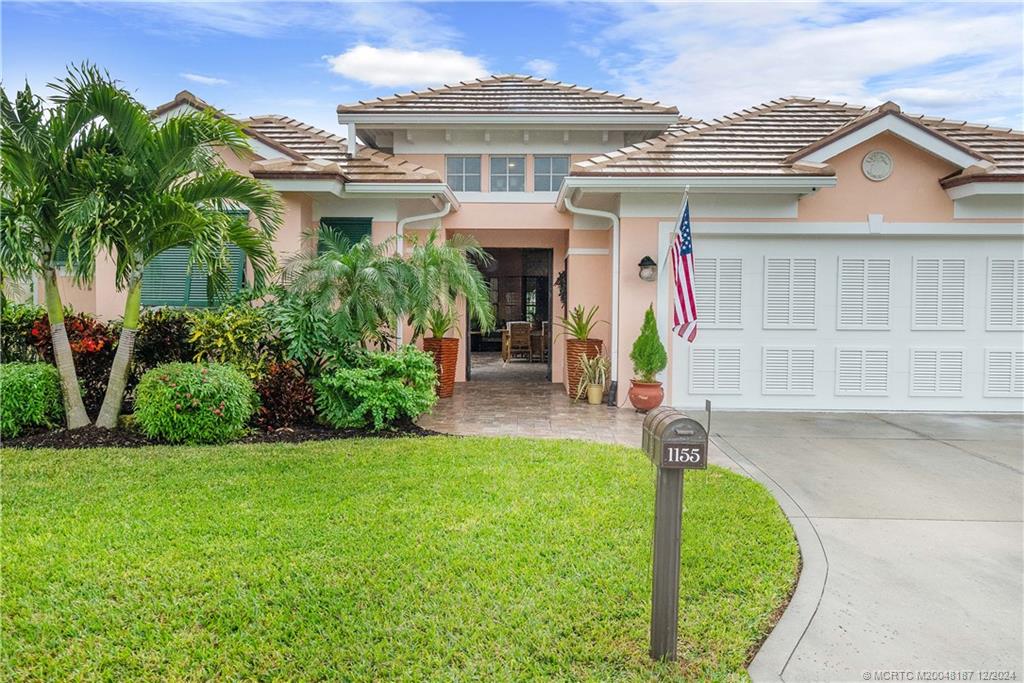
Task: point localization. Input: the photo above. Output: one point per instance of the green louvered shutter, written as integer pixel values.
(167, 281)
(354, 229)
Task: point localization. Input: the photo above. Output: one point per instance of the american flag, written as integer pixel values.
(684, 314)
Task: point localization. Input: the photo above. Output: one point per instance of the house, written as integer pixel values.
(846, 258)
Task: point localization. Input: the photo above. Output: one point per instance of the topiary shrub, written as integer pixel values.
(286, 398)
(384, 390)
(648, 354)
(194, 403)
(29, 397)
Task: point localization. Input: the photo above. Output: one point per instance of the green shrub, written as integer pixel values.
(17, 345)
(239, 335)
(648, 354)
(383, 390)
(194, 403)
(29, 397)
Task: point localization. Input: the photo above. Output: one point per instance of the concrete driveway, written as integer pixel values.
(911, 533)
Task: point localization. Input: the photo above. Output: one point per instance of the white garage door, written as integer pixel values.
(856, 324)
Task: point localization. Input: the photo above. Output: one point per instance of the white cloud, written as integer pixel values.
(410, 68)
(205, 80)
(712, 59)
(543, 68)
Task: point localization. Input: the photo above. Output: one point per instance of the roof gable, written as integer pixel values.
(509, 95)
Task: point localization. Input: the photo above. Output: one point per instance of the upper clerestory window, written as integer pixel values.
(508, 174)
(463, 173)
(548, 172)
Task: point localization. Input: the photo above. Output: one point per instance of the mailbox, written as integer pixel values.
(674, 441)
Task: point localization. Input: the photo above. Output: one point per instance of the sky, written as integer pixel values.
(957, 60)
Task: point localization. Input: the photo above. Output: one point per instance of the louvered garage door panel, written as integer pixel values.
(936, 372)
(1004, 373)
(787, 370)
(864, 291)
(715, 370)
(719, 290)
(789, 293)
(939, 293)
(862, 372)
(1005, 303)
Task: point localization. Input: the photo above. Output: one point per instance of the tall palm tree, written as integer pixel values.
(361, 287)
(443, 270)
(43, 152)
(163, 186)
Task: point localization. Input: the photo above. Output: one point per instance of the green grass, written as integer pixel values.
(440, 558)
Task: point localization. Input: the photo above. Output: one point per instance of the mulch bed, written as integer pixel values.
(98, 437)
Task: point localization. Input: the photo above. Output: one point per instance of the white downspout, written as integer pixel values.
(400, 233)
(613, 392)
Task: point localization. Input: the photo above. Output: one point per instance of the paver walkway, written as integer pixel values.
(910, 526)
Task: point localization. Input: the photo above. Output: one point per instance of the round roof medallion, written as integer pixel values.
(877, 165)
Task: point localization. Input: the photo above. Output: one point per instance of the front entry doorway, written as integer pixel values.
(519, 348)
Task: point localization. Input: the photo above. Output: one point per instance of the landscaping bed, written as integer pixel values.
(98, 437)
(372, 559)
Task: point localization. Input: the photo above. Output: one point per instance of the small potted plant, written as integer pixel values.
(649, 358)
(593, 378)
(577, 327)
(444, 349)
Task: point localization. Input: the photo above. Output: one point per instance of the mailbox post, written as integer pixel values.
(675, 443)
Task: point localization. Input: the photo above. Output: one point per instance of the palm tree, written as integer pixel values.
(43, 152)
(163, 186)
(361, 287)
(443, 270)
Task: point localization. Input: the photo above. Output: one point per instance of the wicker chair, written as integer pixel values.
(519, 341)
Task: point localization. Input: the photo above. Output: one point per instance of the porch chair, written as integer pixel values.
(519, 341)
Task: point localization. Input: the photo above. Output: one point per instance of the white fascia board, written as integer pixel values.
(748, 184)
(546, 198)
(402, 191)
(559, 121)
(308, 185)
(865, 228)
(901, 128)
(988, 187)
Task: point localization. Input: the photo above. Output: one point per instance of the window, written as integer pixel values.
(167, 280)
(548, 172)
(718, 283)
(787, 370)
(939, 299)
(863, 294)
(789, 293)
(715, 370)
(508, 174)
(936, 372)
(862, 372)
(1004, 372)
(463, 173)
(1005, 294)
(355, 229)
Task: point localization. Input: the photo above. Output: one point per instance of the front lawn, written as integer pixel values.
(404, 559)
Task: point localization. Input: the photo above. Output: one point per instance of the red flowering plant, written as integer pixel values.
(93, 343)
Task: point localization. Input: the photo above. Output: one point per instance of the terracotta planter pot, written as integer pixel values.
(573, 349)
(645, 395)
(446, 356)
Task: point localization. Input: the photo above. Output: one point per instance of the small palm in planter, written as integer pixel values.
(444, 349)
(649, 358)
(578, 326)
(593, 378)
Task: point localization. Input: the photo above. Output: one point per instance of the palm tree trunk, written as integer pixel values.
(118, 380)
(74, 408)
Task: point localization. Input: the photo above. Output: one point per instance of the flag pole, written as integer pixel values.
(669, 332)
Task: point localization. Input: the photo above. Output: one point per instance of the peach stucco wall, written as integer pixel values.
(639, 239)
(912, 193)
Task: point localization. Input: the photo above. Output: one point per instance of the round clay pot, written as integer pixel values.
(595, 394)
(645, 395)
(446, 357)
(573, 349)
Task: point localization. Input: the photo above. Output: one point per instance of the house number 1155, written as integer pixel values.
(684, 457)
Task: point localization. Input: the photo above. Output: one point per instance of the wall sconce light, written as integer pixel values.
(648, 269)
